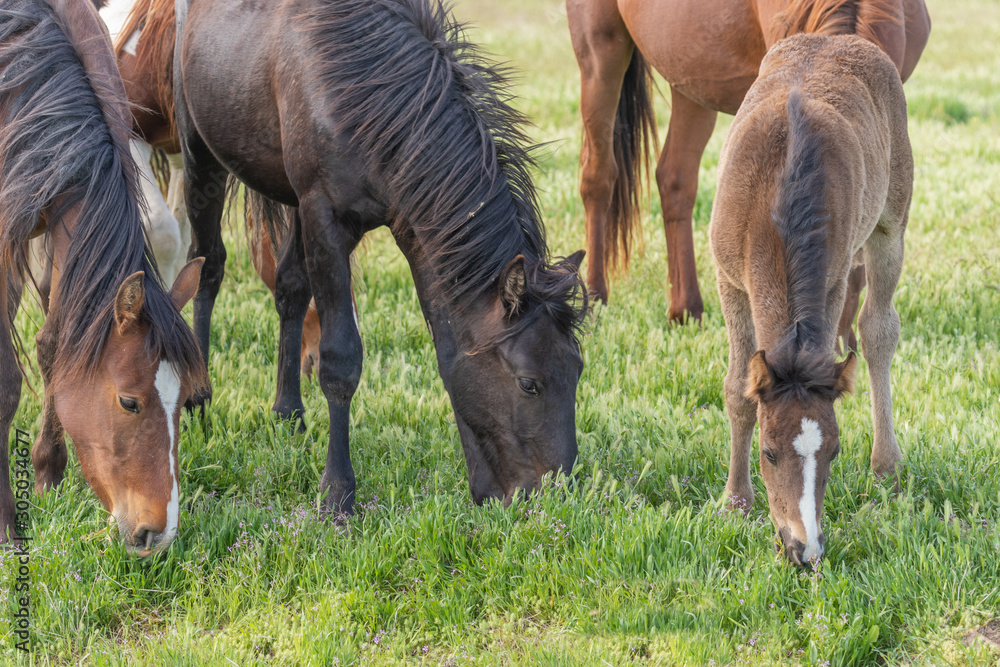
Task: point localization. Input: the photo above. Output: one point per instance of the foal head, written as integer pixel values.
(124, 418)
(799, 439)
(513, 385)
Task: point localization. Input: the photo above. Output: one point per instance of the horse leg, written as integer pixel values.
(878, 325)
(175, 199)
(161, 227)
(10, 396)
(49, 454)
(691, 127)
(291, 299)
(328, 246)
(603, 50)
(845, 329)
(204, 194)
(742, 411)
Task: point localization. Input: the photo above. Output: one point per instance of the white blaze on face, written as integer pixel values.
(807, 443)
(168, 386)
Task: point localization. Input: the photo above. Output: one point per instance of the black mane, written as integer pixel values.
(58, 152)
(433, 117)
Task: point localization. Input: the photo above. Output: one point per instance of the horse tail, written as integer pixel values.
(262, 215)
(801, 215)
(635, 130)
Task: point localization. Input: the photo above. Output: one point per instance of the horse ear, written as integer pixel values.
(513, 284)
(576, 259)
(845, 374)
(759, 376)
(128, 302)
(186, 282)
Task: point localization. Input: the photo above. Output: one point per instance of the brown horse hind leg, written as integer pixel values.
(742, 411)
(691, 127)
(329, 245)
(291, 299)
(603, 50)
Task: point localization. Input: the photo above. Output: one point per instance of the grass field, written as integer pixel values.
(636, 564)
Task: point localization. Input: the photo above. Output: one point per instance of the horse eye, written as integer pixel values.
(769, 455)
(836, 453)
(528, 386)
(129, 404)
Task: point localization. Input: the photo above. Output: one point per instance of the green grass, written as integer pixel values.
(634, 565)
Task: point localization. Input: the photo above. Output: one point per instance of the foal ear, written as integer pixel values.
(186, 282)
(759, 376)
(128, 302)
(576, 259)
(845, 374)
(513, 284)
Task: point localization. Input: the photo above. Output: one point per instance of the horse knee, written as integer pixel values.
(879, 331)
(738, 405)
(340, 371)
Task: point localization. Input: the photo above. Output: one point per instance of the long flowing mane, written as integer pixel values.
(832, 17)
(157, 21)
(63, 151)
(434, 120)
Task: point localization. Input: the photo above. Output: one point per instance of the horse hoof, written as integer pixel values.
(684, 316)
(291, 413)
(338, 500)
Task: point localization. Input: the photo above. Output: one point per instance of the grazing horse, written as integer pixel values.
(377, 112)
(815, 172)
(709, 51)
(116, 357)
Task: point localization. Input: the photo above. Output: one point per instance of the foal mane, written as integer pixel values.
(157, 21)
(802, 358)
(833, 17)
(61, 150)
(433, 118)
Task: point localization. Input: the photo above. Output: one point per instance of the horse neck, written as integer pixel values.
(879, 21)
(84, 28)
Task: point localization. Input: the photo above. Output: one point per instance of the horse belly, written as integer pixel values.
(709, 50)
(228, 95)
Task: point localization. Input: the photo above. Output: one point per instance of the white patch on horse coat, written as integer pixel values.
(115, 14)
(168, 386)
(807, 444)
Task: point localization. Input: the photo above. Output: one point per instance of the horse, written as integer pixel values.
(815, 174)
(709, 51)
(116, 357)
(378, 112)
(143, 34)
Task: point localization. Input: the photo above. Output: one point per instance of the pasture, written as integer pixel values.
(636, 562)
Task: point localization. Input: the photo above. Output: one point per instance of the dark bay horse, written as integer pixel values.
(116, 356)
(144, 46)
(362, 113)
(709, 52)
(815, 173)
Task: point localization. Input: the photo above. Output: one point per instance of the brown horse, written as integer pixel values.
(366, 113)
(815, 172)
(144, 46)
(116, 356)
(709, 51)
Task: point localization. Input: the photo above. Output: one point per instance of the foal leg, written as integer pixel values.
(49, 454)
(878, 325)
(691, 127)
(10, 396)
(328, 247)
(603, 50)
(845, 330)
(291, 298)
(742, 411)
